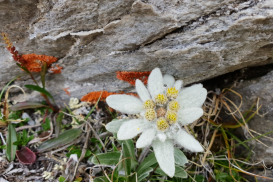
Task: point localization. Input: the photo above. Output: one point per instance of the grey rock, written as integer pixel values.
(192, 40)
(262, 123)
(25, 116)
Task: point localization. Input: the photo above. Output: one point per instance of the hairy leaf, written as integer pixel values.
(11, 138)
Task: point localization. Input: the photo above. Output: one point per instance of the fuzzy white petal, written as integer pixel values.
(168, 80)
(161, 136)
(125, 103)
(193, 96)
(146, 138)
(142, 91)
(189, 115)
(155, 82)
(132, 128)
(178, 84)
(164, 153)
(114, 125)
(187, 141)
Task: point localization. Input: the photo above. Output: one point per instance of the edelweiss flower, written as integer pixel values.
(164, 107)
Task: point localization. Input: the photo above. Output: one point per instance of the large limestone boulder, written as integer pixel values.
(193, 40)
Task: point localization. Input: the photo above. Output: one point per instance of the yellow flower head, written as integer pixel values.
(172, 93)
(161, 99)
(174, 105)
(162, 124)
(171, 116)
(148, 104)
(150, 114)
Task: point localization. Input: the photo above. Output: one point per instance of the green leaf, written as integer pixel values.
(26, 105)
(100, 179)
(46, 125)
(39, 89)
(179, 157)
(221, 176)
(114, 147)
(122, 179)
(59, 122)
(61, 179)
(88, 153)
(63, 139)
(145, 173)
(131, 148)
(43, 73)
(75, 151)
(11, 138)
(147, 162)
(17, 143)
(127, 162)
(110, 158)
(179, 172)
(175, 179)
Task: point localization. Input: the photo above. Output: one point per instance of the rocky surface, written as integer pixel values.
(193, 40)
(262, 123)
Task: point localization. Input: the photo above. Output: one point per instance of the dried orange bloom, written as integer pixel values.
(55, 70)
(12, 49)
(66, 91)
(6, 39)
(34, 62)
(131, 76)
(94, 96)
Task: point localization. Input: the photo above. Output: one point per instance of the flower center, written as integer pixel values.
(171, 116)
(172, 92)
(150, 114)
(161, 99)
(149, 104)
(162, 124)
(161, 112)
(173, 105)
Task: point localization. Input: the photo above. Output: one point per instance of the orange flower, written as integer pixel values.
(131, 76)
(55, 70)
(34, 62)
(94, 96)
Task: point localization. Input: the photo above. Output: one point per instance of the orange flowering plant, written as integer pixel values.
(34, 63)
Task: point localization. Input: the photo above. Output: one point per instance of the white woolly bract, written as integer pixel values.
(168, 80)
(161, 136)
(155, 83)
(189, 115)
(115, 124)
(132, 128)
(193, 96)
(187, 141)
(178, 84)
(125, 103)
(142, 91)
(146, 138)
(164, 153)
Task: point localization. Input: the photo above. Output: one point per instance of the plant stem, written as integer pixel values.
(49, 103)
